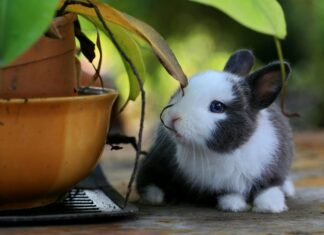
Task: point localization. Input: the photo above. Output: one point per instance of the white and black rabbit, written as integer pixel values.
(227, 142)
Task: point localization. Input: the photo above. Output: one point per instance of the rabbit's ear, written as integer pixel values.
(240, 63)
(266, 84)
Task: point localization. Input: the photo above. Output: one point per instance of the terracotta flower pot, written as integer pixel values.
(47, 69)
(47, 145)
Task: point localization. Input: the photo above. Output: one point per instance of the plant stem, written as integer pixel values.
(283, 80)
(70, 2)
(97, 74)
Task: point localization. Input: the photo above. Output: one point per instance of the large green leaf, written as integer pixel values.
(264, 16)
(144, 31)
(22, 22)
(127, 44)
(131, 48)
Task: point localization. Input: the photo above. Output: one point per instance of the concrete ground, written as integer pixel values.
(305, 215)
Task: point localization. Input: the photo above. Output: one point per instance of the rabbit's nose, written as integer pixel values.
(174, 120)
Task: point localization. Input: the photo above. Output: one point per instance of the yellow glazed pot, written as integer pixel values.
(47, 145)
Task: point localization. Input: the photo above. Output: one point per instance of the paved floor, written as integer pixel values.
(305, 215)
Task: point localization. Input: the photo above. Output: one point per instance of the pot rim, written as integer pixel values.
(106, 92)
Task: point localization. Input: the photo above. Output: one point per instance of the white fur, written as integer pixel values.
(193, 107)
(232, 202)
(234, 172)
(288, 188)
(152, 195)
(271, 200)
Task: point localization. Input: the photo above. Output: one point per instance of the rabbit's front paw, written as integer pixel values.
(232, 202)
(152, 195)
(271, 200)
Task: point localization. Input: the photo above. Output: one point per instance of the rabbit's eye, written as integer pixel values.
(217, 107)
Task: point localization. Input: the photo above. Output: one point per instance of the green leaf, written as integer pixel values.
(131, 48)
(139, 28)
(128, 44)
(264, 16)
(22, 22)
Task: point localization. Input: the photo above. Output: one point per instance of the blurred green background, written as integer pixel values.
(203, 38)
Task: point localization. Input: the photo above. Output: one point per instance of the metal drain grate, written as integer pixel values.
(92, 200)
(88, 201)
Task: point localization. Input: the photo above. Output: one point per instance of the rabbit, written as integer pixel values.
(225, 142)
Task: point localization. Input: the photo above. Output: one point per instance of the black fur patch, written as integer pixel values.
(239, 124)
(266, 84)
(240, 63)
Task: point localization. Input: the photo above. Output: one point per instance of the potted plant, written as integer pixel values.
(51, 140)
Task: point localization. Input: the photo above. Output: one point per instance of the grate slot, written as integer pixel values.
(78, 203)
(77, 200)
